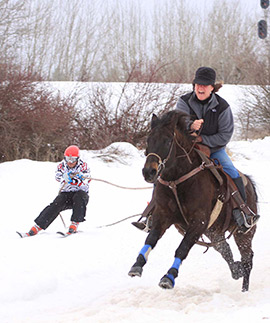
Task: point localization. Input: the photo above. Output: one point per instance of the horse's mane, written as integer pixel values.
(178, 119)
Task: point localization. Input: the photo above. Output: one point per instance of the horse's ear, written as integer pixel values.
(182, 122)
(154, 121)
(174, 119)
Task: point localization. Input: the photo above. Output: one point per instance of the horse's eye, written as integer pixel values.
(168, 142)
(146, 153)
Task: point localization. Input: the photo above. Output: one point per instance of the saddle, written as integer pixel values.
(231, 189)
(204, 152)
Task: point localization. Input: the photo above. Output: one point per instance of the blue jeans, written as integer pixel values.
(226, 163)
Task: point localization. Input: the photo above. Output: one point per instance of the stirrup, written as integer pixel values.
(242, 219)
(145, 225)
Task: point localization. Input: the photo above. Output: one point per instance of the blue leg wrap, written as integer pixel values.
(145, 251)
(176, 263)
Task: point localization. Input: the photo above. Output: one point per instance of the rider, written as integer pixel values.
(74, 176)
(214, 119)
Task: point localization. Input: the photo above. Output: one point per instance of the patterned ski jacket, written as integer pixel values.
(77, 174)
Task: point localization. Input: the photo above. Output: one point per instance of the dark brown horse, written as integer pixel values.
(175, 166)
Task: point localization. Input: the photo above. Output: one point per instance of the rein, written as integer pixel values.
(173, 184)
(192, 147)
(161, 163)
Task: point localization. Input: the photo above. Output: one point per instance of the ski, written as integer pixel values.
(64, 235)
(23, 235)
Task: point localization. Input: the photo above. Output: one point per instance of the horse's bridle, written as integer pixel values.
(173, 184)
(161, 163)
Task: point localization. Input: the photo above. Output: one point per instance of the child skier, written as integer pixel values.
(74, 176)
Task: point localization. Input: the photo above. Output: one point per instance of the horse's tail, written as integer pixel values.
(253, 186)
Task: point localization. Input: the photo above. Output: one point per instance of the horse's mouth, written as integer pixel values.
(150, 174)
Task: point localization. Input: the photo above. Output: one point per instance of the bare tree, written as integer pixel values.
(228, 43)
(12, 15)
(254, 117)
(102, 40)
(122, 112)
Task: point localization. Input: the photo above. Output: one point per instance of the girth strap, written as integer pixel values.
(173, 184)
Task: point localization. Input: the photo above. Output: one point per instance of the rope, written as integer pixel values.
(108, 225)
(124, 187)
(102, 180)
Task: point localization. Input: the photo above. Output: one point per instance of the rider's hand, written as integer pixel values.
(67, 178)
(196, 125)
(81, 176)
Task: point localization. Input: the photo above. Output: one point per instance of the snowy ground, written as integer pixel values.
(83, 278)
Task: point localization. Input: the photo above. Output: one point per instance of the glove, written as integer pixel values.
(80, 176)
(67, 178)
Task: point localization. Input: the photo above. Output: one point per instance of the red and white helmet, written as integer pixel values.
(72, 154)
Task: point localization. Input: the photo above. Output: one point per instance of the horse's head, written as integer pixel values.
(160, 142)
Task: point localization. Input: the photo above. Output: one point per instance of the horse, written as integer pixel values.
(185, 194)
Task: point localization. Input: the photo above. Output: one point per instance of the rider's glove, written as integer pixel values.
(81, 176)
(67, 178)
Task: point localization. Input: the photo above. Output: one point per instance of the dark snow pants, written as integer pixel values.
(76, 201)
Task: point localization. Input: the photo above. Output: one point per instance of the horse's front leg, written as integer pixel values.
(168, 281)
(191, 236)
(150, 242)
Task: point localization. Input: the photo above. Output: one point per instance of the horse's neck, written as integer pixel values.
(183, 162)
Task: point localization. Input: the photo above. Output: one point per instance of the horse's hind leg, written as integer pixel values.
(225, 250)
(243, 242)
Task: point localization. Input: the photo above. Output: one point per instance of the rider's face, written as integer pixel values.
(203, 91)
(72, 165)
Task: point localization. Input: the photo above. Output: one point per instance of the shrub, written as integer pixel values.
(34, 122)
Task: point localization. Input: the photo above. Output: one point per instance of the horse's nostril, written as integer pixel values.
(149, 173)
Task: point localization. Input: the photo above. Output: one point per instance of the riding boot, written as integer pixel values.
(244, 216)
(144, 225)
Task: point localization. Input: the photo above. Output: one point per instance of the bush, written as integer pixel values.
(124, 117)
(34, 122)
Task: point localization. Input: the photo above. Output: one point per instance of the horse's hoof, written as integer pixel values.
(135, 271)
(237, 270)
(244, 289)
(166, 282)
(245, 285)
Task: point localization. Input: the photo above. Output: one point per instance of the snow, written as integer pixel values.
(83, 278)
